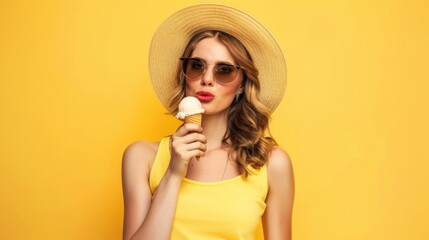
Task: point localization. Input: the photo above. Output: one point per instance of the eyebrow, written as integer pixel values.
(216, 63)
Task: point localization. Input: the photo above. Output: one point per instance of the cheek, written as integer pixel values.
(234, 87)
(230, 91)
(190, 87)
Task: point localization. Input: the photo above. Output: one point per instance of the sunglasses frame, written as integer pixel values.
(183, 59)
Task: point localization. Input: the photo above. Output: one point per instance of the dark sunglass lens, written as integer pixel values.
(226, 73)
(194, 68)
(196, 65)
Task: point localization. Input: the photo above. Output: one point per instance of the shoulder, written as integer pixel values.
(279, 167)
(141, 148)
(139, 155)
(279, 161)
(281, 191)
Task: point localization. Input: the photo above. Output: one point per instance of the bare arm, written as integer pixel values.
(148, 217)
(277, 219)
(141, 212)
(135, 185)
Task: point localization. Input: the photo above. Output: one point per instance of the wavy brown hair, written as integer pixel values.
(247, 135)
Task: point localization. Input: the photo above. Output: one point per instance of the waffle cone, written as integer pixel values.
(196, 118)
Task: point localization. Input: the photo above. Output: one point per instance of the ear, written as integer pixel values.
(241, 89)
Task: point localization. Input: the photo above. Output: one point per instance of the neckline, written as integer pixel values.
(197, 182)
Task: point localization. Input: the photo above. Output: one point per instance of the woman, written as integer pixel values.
(225, 179)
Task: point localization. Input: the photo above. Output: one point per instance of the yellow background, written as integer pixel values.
(74, 92)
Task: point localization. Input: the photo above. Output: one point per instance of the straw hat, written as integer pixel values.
(171, 38)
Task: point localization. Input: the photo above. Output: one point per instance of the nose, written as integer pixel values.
(207, 77)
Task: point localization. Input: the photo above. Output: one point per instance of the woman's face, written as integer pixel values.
(215, 97)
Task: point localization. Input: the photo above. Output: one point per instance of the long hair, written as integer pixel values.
(248, 118)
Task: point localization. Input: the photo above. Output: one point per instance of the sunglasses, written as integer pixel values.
(193, 68)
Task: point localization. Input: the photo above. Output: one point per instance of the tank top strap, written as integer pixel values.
(160, 165)
(259, 179)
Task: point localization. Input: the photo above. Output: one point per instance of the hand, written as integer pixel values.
(185, 144)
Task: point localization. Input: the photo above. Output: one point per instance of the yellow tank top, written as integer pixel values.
(228, 209)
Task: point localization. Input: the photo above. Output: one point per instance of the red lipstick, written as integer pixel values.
(204, 96)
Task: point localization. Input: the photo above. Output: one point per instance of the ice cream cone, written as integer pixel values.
(190, 111)
(195, 118)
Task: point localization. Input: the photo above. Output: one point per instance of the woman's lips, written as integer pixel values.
(204, 96)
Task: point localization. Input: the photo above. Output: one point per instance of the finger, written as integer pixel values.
(193, 137)
(187, 154)
(188, 128)
(196, 153)
(189, 138)
(190, 142)
(196, 146)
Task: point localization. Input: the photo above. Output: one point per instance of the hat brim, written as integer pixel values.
(171, 37)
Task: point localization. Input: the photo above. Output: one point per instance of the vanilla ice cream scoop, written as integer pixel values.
(189, 106)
